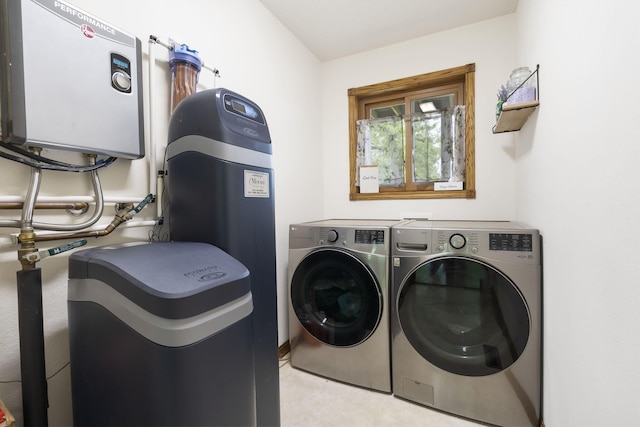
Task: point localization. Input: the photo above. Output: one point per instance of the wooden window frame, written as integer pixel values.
(359, 97)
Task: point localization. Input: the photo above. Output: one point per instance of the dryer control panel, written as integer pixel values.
(499, 241)
(511, 242)
(370, 237)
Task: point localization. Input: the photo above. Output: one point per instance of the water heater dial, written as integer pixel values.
(121, 81)
(457, 241)
(332, 236)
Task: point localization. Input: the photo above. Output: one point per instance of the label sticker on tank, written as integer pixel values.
(256, 184)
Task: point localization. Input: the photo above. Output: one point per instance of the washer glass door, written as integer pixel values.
(464, 316)
(336, 297)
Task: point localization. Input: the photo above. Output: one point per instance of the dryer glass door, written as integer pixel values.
(464, 316)
(336, 297)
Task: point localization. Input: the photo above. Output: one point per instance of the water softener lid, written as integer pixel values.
(170, 279)
(182, 53)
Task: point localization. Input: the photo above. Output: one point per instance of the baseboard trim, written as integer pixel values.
(283, 350)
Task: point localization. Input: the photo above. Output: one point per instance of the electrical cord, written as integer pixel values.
(284, 360)
(48, 378)
(31, 155)
(49, 164)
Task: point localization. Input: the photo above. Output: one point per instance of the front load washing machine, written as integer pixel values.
(338, 306)
(466, 321)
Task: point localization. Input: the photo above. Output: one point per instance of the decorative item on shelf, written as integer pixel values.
(520, 86)
(502, 97)
(518, 100)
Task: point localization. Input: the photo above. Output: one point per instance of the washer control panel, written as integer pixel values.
(447, 240)
(332, 236)
(498, 245)
(504, 241)
(365, 239)
(457, 241)
(370, 237)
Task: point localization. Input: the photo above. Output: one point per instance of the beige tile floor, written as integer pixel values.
(308, 400)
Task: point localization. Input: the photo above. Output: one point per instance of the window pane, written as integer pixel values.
(432, 103)
(395, 110)
(427, 147)
(430, 126)
(387, 151)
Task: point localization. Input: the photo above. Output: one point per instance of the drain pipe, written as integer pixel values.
(30, 321)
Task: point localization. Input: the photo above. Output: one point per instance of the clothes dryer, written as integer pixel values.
(466, 321)
(338, 306)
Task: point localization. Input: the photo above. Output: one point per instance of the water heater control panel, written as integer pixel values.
(120, 73)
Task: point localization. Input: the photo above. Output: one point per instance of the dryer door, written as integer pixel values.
(463, 316)
(336, 297)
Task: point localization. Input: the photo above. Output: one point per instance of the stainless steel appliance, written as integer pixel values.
(338, 307)
(466, 328)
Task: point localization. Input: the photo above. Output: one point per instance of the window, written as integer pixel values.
(419, 132)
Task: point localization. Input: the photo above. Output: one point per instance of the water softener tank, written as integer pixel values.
(221, 191)
(160, 334)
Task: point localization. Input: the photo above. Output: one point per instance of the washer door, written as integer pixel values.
(464, 316)
(336, 297)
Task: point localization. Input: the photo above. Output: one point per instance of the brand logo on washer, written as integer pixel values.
(212, 276)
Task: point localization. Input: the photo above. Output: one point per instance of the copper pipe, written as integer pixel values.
(117, 220)
(47, 205)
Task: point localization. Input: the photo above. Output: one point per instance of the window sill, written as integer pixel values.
(393, 195)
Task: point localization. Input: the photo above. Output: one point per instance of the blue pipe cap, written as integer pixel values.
(182, 53)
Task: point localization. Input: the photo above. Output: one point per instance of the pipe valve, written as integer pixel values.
(34, 257)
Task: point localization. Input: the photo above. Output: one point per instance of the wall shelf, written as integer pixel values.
(513, 116)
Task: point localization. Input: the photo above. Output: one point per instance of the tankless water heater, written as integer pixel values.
(69, 80)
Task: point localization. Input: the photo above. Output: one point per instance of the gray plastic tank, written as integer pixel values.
(221, 191)
(160, 335)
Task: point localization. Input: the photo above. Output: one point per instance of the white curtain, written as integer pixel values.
(388, 131)
(458, 144)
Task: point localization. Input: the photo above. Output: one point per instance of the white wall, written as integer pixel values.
(257, 58)
(491, 46)
(576, 162)
(569, 171)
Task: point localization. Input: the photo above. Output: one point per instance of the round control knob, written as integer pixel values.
(332, 236)
(121, 81)
(457, 241)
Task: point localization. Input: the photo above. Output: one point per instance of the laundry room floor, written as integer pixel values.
(308, 400)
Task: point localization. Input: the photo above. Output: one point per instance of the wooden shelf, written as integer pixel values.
(513, 116)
